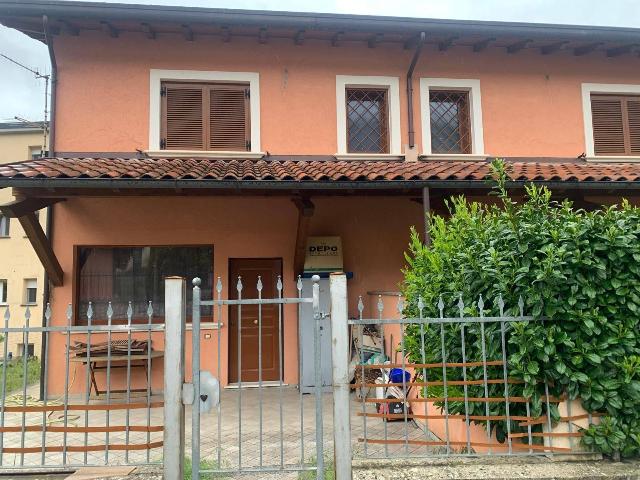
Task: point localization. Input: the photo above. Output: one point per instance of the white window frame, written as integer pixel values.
(30, 283)
(392, 84)
(603, 88)
(156, 77)
(472, 86)
(4, 289)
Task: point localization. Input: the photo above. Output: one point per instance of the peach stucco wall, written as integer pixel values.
(531, 103)
(374, 232)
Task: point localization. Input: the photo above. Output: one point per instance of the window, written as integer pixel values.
(136, 275)
(30, 291)
(451, 111)
(214, 113)
(35, 153)
(368, 110)
(450, 121)
(30, 350)
(367, 120)
(199, 116)
(3, 291)
(616, 124)
(4, 226)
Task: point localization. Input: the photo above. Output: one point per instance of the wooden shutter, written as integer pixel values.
(183, 123)
(229, 118)
(616, 124)
(198, 116)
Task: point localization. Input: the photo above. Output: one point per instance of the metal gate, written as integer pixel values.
(259, 426)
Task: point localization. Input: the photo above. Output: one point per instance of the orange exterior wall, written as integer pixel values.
(531, 103)
(374, 231)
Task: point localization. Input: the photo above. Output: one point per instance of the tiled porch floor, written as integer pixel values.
(240, 445)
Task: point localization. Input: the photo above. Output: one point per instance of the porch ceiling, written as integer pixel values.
(305, 173)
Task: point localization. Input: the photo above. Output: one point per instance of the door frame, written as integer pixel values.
(280, 340)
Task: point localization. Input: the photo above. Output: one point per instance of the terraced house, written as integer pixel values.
(208, 142)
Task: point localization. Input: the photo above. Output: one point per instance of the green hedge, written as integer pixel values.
(578, 269)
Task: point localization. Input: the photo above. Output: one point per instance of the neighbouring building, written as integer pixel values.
(21, 273)
(208, 142)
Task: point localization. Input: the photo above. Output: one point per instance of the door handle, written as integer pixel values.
(255, 322)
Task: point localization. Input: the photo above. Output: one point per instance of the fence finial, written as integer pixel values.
(501, 304)
(521, 306)
(380, 305)
(481, 305)
(259, 284)
(47, 313)
(420, 306)
(279, 283)
(129, 312)
(150, 310)
(460, 305)
(400, 305)
(239, 284)
(219, 286)
(360, 306)
(299, 284)
(109, 312)
(196, 282)
(27, 314)
(7, 314)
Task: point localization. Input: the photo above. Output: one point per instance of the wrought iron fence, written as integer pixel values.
(53, 412)
(433, 386)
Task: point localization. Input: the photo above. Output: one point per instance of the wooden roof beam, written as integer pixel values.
(483, 44)
(412, 42)
(584, 49)
(554, 47)
(374, 40)
(516, 47)
(262, 35)
(25, 210)
(299, 38)
(226, 34)
(617, 51)
(68, 28)
(187, 33)
(445, 44)
(109, 29)
(149, 32)
(337, 39)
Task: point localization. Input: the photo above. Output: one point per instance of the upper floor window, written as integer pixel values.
(3, 291)
(4, 226)
(198, 116)
(450, 121)
(616, 124)
(367, 120)
(35, 153)
(30, 291)
(215, 113)
(451, 117)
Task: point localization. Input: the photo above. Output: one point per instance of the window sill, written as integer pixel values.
(454, 156)
(28, 304)
(204, 154)
(614, 159)
(368, 156)
(4, 236)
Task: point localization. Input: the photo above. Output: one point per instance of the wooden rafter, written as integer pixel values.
(187, 33)
(516, 47)
(226, 34)
(445, 44)
(18, 208)
(374, 40)
(584, 49)
(299, 38)
(70, 29)
(554, 47)
(306, 209)
(262, 35)
(109, 29)
(617, 51)
(149, 32)
(483, 44)
(336, 39)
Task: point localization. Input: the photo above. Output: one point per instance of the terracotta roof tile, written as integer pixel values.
(307, 170)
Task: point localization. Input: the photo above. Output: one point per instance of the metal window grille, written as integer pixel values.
(450, 121)
(367, 120)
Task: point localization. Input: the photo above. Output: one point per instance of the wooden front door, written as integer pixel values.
(248, 360)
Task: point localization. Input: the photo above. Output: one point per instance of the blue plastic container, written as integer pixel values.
(396, 375)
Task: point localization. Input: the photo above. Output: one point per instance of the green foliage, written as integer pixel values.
(205, 464)
(578, 269)
(15, 374)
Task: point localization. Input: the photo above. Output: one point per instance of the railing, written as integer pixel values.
(440, 386)
(49, 417)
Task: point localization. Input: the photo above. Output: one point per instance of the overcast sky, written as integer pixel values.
(22, 95)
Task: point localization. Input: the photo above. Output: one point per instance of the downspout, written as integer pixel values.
(414, 60)
(49, 227)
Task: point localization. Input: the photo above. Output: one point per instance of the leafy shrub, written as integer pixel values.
(578, 270)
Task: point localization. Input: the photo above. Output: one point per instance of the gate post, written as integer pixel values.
(340, 361)
(174, 319)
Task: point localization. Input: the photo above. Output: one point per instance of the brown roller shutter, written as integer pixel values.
(616, 124)
(183, 124)
(633, 110)
(198, 116)
(229, 118)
